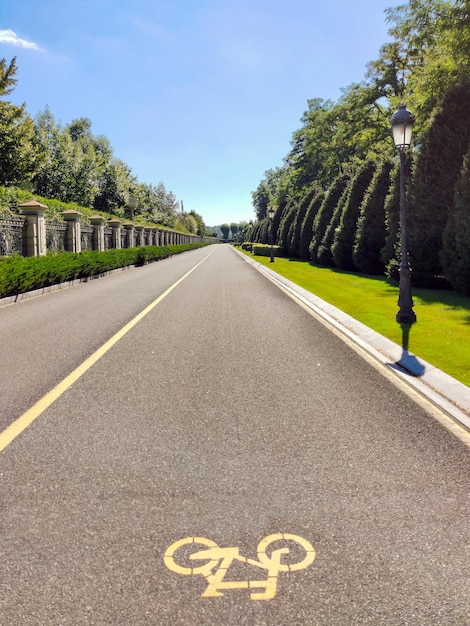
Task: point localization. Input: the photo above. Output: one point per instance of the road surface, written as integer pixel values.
(185, 444)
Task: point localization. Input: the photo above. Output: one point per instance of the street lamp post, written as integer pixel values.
(271, 217)
(131, 205)
(402, 125)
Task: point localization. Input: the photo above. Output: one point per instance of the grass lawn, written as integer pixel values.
(441, 335)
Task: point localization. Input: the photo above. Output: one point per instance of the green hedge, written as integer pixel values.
(21, 274)
(260, 249)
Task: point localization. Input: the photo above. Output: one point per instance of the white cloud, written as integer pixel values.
(10, 37)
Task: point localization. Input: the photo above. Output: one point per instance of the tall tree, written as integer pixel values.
(18, 152)
(325, 214)
(344, 234)
(371, 231)
(437, 169)
(307, 225)
(455, 255)
(297, 225)
(225, 228)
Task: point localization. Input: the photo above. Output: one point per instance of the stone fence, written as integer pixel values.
(30, 235)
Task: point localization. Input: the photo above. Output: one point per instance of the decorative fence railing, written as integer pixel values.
(31, 235)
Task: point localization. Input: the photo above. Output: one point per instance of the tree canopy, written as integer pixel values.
(71, 164)
(425, 65)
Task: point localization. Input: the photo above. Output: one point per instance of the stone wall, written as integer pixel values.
(31, 235)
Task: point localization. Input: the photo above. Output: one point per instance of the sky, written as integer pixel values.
(202, 95)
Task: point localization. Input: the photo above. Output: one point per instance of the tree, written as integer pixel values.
(287, 220)
(69, 168)
(430, 53)
(325, 214)
(225, 228)
(185, 221)
(371, 233)
(18, 152)
(344, 234)
(307, 225)
(455, 254)
(271, 191)
(201, 227)
(234, 229)
(297, 225)
(113, 188)
(312, 156)
(438, 166)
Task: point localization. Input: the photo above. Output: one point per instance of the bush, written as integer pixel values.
(246, 245)
(21, 274)
(265, 250)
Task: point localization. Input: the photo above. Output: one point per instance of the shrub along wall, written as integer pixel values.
(22, 274)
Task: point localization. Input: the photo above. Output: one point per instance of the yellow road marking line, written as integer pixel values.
(22, 422)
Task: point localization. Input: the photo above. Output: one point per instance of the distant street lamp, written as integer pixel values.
(271, 217)
(402, 126)
(131, 205)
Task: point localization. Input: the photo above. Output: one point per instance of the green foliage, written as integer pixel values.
(456, 248)
(18, 153)
(344, 235)
(295, 230)
(272, 191)
(432, 189)
(427, 65)
(259, 249)
(371, 233)
(225, 228)
(324, 254)
(307, 225)
(22, 274)
(288, 218)
(325, 214)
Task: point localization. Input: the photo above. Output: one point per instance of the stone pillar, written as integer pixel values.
(116, 226)
(97, 221)
(130, 234)
(140, 236)
(74, 233)
(35, 239)
(148, 236)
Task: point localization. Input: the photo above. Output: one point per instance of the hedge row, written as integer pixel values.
(259, 249)
(21, 274)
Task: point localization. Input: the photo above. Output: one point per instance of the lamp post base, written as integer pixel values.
(406, 316)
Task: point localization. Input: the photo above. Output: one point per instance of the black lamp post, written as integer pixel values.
(402, 125)
(271, 217)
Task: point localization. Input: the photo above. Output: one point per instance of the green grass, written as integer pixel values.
(441, 335)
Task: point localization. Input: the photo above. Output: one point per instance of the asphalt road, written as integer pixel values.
(225, 415)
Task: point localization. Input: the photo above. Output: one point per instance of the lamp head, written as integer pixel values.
(402, 126)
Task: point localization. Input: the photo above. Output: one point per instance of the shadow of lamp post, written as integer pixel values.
(402, 125)
(271, 217)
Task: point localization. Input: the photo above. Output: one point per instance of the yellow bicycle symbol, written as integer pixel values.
(217, 561)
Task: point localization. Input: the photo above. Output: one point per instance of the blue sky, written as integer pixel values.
(202, 95)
